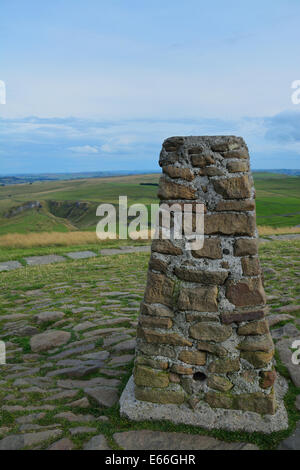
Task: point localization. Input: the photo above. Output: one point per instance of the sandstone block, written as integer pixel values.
(173, 144)
(156, 310)
(229, 224)
(165, 247)
(267, 379)
(153, 336)
(251, 266)
(241, 316)
(212, 348)
(222, 366)
(181, 370)
(160, 396)
(210, 332)
(147, 377)
(159, 289)
(201, 276)
(258, 343)
(153, 363)
(233, 188)
(201, 161)
(254, 328)
(245, 247)
(240, 205)
(237, 153)
(258, 359)
(247, 292)
(211, 249)
(159, 265)
(170, 190)
(202, 299)
(178, 172)
(193, 357)
(155, 322)
(219, 383)
(237, 166)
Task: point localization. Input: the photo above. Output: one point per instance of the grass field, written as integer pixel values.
(71, 205)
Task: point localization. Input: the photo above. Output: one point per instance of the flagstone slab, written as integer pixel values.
(47, 259)
(81, 254)
(157, 440)
(10, 265)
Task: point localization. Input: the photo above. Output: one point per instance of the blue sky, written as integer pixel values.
(98, 84)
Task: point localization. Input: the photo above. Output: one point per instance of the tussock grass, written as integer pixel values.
(29, 240)
(42, 239)
(266, 230)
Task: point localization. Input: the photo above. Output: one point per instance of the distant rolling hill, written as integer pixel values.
(67, 205)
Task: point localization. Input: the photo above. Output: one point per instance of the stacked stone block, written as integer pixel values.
(202, 334)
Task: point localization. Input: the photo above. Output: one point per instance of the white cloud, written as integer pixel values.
(84, 149)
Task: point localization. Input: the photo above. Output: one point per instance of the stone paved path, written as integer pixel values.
(69, 330)
(75, 255)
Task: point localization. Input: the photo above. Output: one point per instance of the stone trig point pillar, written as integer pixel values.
(204, 352)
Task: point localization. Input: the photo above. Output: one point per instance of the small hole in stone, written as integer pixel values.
(226, 252)
(199, 376)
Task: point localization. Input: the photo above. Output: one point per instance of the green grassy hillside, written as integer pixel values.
(71, 204)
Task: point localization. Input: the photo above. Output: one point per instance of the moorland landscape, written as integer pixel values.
(64, 393)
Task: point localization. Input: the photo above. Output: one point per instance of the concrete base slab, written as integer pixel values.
(205, 416)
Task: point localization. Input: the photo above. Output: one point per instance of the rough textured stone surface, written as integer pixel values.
(62, 444)
(219, 383)
(255, 402)
(96, 443)
(48, 340)
(233, 188)
(159, 396)
(242, 205)
(258, 359)
(156, 310)
(200, 299)
(204, 415)
(81, 254)
(157, 440)
(159, 289)
(237, 166)
(193, 357)
(222, 366)
(229, 224)
(210, 332)
(177, 172)
(203, 277)
(104, 396)
(245, 247)
(293, 441)
(245, 293)
(242, 316)
(170, 190)
(166, 247)
(155, 322)
(203, 314)
(152, 336)
(147, 377)
(45, 317)
(211, 249)
(250, 266)
(254, 328)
